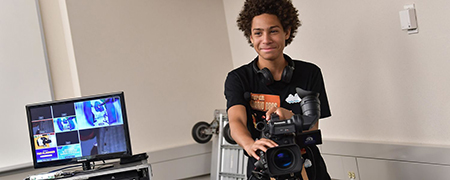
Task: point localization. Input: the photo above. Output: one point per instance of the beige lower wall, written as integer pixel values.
(180, 162)
(382, 160)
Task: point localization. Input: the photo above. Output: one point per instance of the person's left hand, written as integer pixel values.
(281, 112)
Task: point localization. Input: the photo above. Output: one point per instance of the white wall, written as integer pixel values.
(24, 77)
(382, 84)
(169, 58)
(241, 52)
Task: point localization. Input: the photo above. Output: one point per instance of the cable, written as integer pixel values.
(64, 168)
(250, 178)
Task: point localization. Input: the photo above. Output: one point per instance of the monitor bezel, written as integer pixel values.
(83, 159)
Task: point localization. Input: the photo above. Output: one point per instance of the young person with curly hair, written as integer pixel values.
(267, 84)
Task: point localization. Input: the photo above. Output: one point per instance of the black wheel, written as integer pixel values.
(227, 134)
(199, 134)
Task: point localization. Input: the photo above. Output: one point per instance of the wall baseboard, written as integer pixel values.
(16, 167)
(181, 162)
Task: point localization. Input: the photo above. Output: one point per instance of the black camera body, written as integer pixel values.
(285, 161)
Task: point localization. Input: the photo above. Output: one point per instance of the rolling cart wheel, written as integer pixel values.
(199, 134)
(227, 134)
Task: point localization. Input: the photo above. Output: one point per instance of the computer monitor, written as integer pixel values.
(79, 130)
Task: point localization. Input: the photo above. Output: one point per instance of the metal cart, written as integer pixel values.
(228, 160)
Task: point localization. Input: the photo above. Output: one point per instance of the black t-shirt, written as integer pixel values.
(243, 86)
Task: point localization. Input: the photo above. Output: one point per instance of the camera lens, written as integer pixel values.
(283, 158)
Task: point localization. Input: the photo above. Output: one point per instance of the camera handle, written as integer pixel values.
(260, 168)
(261, 163)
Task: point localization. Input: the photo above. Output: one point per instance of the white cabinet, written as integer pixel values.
(374, 169)
(341, 167)
(385, 161)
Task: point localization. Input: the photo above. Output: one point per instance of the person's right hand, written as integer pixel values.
(281, 112)
(261, 144)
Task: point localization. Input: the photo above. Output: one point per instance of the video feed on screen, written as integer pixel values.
(98, 113)
(46, 154)
(67, 138)
(40, 113)
(62, 110)
(81, 128)
(69, 151)
(64, 124)
(42, 141)
(103, 140)
(43, 126)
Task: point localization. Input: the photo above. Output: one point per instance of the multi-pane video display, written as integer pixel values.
(78, 129)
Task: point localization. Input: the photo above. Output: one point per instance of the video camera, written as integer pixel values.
(285, 161)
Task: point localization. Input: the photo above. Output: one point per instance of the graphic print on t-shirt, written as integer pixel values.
(263, 102)
(260, 103)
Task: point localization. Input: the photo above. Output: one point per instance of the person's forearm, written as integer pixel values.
(237, 117)
(241, 135)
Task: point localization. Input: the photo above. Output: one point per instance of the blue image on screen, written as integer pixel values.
(64, 124)
(46, 154)
(70, 151)
(98, 113)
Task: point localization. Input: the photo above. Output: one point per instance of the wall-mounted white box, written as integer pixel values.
(408, 19)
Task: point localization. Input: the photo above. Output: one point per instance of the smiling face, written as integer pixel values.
(268, 37)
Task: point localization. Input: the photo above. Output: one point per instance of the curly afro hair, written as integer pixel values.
(283, 9)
